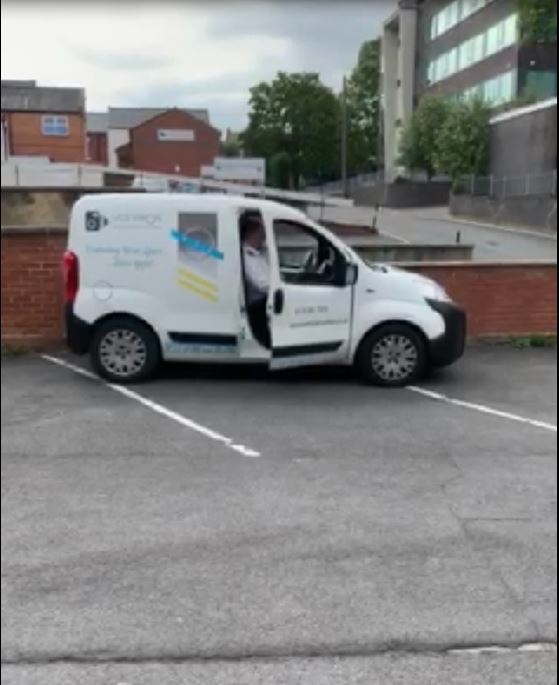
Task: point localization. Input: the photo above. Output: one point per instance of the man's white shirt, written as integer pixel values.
(257, 272)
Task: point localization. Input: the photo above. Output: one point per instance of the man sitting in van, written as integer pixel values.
(257, 275)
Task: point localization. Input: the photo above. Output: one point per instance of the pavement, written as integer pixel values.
(224, 526)
(436, 226)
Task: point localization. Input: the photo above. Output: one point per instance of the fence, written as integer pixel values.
(512, 186)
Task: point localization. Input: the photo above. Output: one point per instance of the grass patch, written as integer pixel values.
(13, 351)
(534, 342)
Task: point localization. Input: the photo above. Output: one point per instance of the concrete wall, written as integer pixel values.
(16, 173)
(501, 299)
(398, 78)
(402, 194)
(392, 254)
(537, 211)
(116, 138)
(30, 207)
(534, 132)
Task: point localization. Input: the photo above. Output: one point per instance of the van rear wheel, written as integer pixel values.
(125, 350)
(392, 356)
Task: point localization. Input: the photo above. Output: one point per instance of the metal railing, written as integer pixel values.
(512, 186)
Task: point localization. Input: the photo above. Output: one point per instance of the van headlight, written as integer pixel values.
(436, 293)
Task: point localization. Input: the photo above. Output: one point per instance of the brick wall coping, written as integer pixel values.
(510, 263)
(34, 230)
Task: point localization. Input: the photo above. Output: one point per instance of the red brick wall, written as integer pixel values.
(32, 298)
(501, 299)
(150, 154)
(97, 148)
(26, 137)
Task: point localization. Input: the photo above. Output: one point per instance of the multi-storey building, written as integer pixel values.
(460, 49)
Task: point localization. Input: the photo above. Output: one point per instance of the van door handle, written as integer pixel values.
(279, 301)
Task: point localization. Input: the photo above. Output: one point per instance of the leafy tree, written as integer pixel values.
(419, 138)
(299, 116)
(230, 148)
(363, 109)
(538, 20)
(462, 142)
(280, 170)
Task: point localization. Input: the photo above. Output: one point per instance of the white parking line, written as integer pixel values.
(160, 409)
(483, 409)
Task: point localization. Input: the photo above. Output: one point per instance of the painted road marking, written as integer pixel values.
(160, 409)
(484, 409)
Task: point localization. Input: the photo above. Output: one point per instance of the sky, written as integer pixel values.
(183, 53)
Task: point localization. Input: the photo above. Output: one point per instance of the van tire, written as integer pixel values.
(392, 356)
(139, 356)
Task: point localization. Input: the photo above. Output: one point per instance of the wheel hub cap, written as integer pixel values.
(395, 358)
(122, 353)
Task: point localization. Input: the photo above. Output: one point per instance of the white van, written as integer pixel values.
(152, 278)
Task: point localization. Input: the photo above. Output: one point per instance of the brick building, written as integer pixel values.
(97, 138)
(172, 141)
(43, 122)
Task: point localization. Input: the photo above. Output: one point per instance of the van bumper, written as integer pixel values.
(78, 332)
(450, 346)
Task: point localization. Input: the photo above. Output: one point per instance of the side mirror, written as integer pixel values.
(351, 274)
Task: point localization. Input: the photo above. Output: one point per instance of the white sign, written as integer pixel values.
(183, 135)
(237, 169)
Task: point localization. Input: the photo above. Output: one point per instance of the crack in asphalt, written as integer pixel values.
(403, 649)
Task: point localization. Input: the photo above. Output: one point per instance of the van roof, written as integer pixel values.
(199, 201)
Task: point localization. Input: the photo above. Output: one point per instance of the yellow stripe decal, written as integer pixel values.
(209, 296)
(198, 280)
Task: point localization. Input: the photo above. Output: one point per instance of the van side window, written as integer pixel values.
(306, 257)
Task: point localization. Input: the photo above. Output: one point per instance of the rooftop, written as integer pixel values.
(27, 96)
(130, 117)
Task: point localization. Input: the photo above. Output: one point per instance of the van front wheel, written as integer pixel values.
(392, 356)
(125, 350)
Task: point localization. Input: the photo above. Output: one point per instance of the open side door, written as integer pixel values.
(311, 298)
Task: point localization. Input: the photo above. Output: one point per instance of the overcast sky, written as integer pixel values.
(193, 54)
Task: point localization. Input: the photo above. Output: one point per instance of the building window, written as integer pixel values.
(497, 38)
(496, 91)
(500, 90)
(453, 14)
(470, 7)
(55, 125)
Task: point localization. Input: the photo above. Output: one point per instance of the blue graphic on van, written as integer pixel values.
(197, 245)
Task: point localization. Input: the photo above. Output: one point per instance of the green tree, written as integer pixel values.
(419, 138)
(363, 109)
(299, 116)
(538, 20)
(230, 148)
(462, 143)
(280, 170)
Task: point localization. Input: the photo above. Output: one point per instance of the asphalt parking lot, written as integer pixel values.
(227, 527)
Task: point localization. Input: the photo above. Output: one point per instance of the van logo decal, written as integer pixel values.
(94, 221)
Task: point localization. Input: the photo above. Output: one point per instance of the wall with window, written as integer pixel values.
(454, 13)
(497, 37)
(60, 137)
(496, 91)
